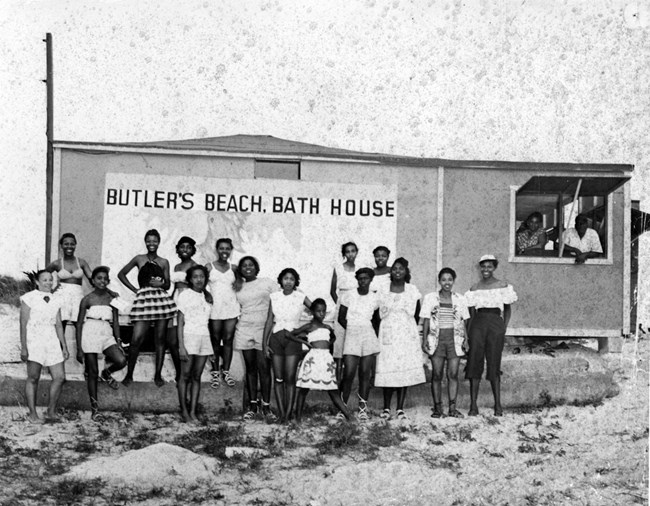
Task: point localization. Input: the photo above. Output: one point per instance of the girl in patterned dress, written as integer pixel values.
(444, 316)
(399, 364)
(95, 335)
(42, 343)
(194, 306)
(343, 282)
(489, 301)
(318, 369)
(152, 305)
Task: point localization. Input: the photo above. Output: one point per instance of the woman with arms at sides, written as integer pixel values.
(531, 237)
(254, 297)
(343, 282)
(444, 317)
(185, 249)
(360, 319)
(42, 343)
(152, 305)
(286, 308)
(70, 271)
(95, 335)
(225, 310)
(399, 364)
(382, 269)
(489, 301)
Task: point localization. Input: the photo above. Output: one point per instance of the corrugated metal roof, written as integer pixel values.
(266, 144)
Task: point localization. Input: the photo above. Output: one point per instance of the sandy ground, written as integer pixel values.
(573, 455)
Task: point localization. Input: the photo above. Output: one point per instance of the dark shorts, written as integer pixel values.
(283, 346)
(486, 338)
(446, 347)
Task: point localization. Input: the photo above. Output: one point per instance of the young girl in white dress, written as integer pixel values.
(42, 343)
(317, 370)
(194, 306)
(95, 335)
(399, 363)
(225, 311)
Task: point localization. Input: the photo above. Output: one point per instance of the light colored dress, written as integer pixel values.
(97, 331)
(254, 299)
(317, 371)
(380, 282)
(43, 345)
(346, 283)
(196, 313)
(225, 305)
(400, 360)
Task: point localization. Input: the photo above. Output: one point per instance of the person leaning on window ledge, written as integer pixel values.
(531, 238)
(582, 241)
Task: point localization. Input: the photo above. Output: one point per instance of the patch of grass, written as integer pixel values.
(385, 435)
(312, 460)
(141, 440)
(11, 289)
(450, 462)
(462, 434)
(214, 440)
(71, 491)
(84, 446)
(594, 402)
(336, 437)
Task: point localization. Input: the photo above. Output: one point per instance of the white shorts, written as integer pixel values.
(198, 344)
(43, 347)
(97, 336)
(360, 340)
(70, 295)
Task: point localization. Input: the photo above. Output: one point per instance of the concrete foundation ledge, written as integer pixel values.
(577, 375)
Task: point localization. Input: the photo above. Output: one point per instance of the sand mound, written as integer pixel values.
(156, 465)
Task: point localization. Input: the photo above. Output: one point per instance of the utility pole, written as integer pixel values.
(49, 170)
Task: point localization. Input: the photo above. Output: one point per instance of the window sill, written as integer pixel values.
(551, 260)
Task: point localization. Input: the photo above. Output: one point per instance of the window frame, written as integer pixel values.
(520, 259)
(278, 161)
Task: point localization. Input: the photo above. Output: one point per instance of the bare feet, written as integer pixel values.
(159, 381)
(127, 381)
(34, 418)
(186, 417)
(498, 411)
(473, 411)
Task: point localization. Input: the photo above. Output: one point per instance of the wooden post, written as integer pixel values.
(49, 169)
(573, 205)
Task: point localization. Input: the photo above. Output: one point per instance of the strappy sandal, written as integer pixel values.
(437, 410)
(340, 416)
(251, 413)
(228, 379)
(385, 414)
(401, 415)
(107, 377)
(215, 382)
(453, 412)
(363, 410)
(268, 413)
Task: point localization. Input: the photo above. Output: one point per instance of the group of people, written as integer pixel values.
(220, 307)
(581, 241)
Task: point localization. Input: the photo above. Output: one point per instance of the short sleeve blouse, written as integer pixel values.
(41, 311)
(491, 298)
(287, 309)
(361, 307)
(254, 299)
(196, 312)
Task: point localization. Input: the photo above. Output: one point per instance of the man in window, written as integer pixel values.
(582, 241)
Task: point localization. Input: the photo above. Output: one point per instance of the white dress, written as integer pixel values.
(346, 282)
(43, 345)
(400, 360)
(225, 305)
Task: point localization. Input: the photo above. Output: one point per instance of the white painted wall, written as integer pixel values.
(513, 80)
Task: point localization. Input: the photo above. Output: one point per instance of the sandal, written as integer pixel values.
(385, 414)
(268, 413)
(251, 413)
(340, 416)
(215, 382)
(401, 415)
(107, 377)
(453, 412)
(437, 410)
(228, 379)
(363, 407)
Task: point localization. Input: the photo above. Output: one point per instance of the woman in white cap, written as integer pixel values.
(489, 302)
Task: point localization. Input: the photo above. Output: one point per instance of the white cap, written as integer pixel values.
(486, 258)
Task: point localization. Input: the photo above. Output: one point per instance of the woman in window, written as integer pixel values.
(531, 236)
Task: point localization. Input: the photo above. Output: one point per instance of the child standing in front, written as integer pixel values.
(194, 306)
(318, 369)
(42, 343)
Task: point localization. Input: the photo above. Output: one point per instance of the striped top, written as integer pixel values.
(446, 315)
